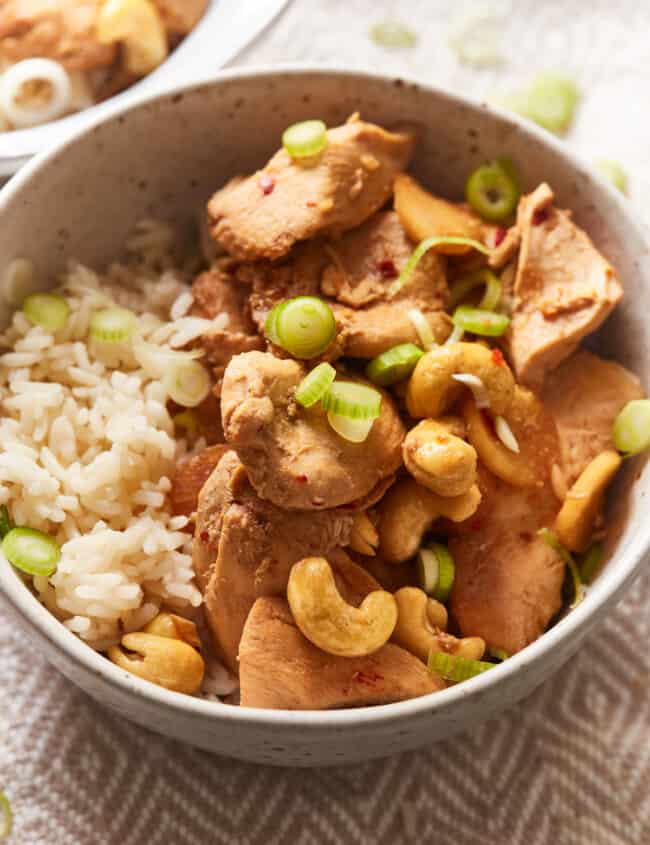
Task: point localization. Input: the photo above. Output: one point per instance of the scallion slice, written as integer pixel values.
(315, 385)
(393, 35)
(305, 139)
(436, 571)
(48, 310)
(352, 400)
(157, 360)
(631, 431)
(394, 365)
(551, 538)
(456, 669)
(590, 563)
(112, 325)
(304, 326)
(493, 191)
(614, 173)
(499, 654)
(187, 382)
(429, 243)
(31, 551)
(6, 522)
(480, 322)
(552, 100)
(354, 430)
(422, 328)
(467, 284)
(427, 566)
(6, 816)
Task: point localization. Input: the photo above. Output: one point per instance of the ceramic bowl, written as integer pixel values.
(83, 198)
(225, 29)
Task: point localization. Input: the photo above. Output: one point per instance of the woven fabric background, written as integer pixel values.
(572, 764)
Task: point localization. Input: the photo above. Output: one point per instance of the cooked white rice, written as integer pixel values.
(87, 450)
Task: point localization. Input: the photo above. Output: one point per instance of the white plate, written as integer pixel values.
(226, 28)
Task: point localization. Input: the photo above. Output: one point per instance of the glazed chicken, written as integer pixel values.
(396, 493)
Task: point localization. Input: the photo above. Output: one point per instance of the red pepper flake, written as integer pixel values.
(499, 236)
(205, 537)
(369, 678)
(266, 183)
(310, 204)
(301, 479)
(387, 269)
(540, 216)
(476, 525)
(497, 357)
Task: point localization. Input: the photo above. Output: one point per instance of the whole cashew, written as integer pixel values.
(364, 538)
(432, 390)
(331, 623)
(575, 522)
(138, 26)
(175, 627)
(409, 510)
(440, 459)
(417, 632)
(170, 663)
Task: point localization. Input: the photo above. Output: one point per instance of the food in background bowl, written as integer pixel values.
(61, 56)
(376, 420)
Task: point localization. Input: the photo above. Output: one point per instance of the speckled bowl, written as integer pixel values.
(164, 158)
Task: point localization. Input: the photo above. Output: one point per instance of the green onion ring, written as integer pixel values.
(631, 431)
(315, 385)
(31, 551)
(48, 310)
(551, 539)
(394, 365)
(480, 322)
(305, 139)
(466, 284)
(424, 246)
(454, 668)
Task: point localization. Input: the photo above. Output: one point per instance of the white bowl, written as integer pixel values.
(225, 29)
(83, 198)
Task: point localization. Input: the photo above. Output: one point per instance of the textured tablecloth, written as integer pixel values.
(571, 765)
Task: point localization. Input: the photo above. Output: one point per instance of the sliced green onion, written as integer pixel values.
(454, 668)
(112, 325)
(304, 326)
(590, 563)
(393, 35)
(478, 321)
(466, 284)
(499, 654)
(394, 365)
(6, 522)
(6, 815)
(353, 401)
(354, 430)
(188, 422)
(614, 173)
(187, 383)
(552, 100)
(427, 567)
(436, 571)
(631, 431)
(48, 310)
(31, 551)
(305, 139)
(492, 192)
(551, 538)
(157, 360)
(315, 385)
(422, 328)
(424, 246)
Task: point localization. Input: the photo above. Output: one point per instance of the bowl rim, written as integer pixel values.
(629, 557)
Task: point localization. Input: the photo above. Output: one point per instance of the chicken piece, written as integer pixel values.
(215, 292)
(245, 547)
(264, 215)
(293, 456)
(371, 331)
(281, 669)
(190, 476)
(63, 30)
(585, 394)
(508, 580)
(564, 288)
(181, 16)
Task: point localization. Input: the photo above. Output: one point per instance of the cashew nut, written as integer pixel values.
(417, 632)
(409, 510)
(170, 663)
(432, 390)
(138, 26)
(175, 627)
(364, 538)
(575, 522)
(439, 459)
(331, 623)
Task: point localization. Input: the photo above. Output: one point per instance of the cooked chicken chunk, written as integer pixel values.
(264, 215)
(63, 30)
(293, 456)
(585, 394)
(190, 477)
(181, 16)
(508, 580)
(244, 547)
(564, 288)
(281, 669)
